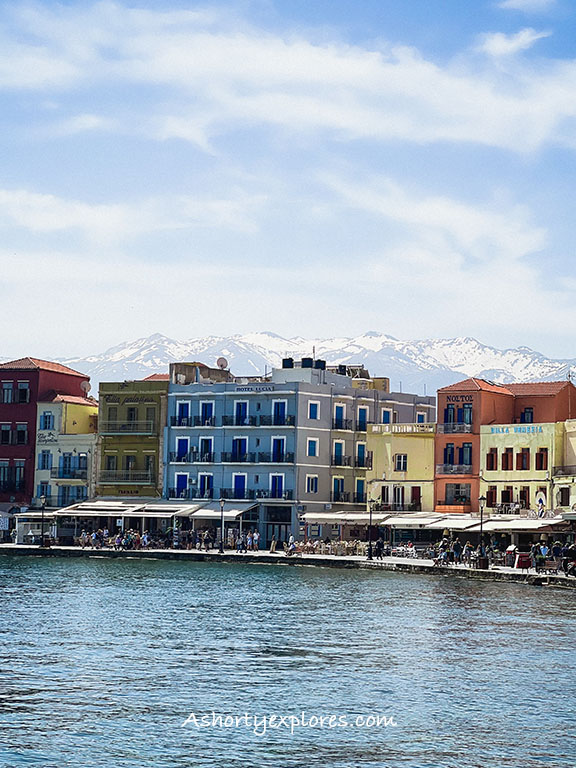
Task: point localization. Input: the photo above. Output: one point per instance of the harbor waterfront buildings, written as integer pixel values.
(278, 447)
(308, 450)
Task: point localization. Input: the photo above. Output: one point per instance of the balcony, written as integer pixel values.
(272, 494)
(128, 476)
(381, 506)
(231, 493)
(61, 473)
(343, 496)
(568, 469)
(127, 428)
(359, 498)
(276, 458)
(342, 424)
(192, 457)
(341, 461)
(446, 507)
(190, 493)
(362, 426)
(277, 421)
(193, 421)
(238, 458)
(364, 462)
(236, 421)
(204, 421)
(454, 429)
(453, 469)
(403, 429)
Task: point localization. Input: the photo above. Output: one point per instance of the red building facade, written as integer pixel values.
(23, 384)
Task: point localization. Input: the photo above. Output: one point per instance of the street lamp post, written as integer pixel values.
(221, 550)
(482, 501)
(42, 507)
(371, 505)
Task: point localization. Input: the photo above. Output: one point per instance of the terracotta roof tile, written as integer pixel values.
(74, 399)
(158, 377)
(33, 363)
(474, 385)
(537, 388)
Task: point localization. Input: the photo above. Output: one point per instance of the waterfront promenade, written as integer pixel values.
(389, 563)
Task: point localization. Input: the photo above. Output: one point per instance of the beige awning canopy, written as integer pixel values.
(232, 510)
(410, 521)
(522, 524)
(454, 522)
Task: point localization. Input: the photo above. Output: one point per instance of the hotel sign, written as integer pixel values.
(527, 429)
(255, 389)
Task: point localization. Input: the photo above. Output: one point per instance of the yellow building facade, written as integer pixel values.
(517, 464)
(402, 474)
(131, 423)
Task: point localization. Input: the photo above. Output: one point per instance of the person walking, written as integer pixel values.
(256, 540)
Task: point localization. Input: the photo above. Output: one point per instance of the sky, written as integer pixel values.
(308, 167)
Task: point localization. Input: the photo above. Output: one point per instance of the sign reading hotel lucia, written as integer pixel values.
(526, 429)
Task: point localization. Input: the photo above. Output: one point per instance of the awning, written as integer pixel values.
(232, 511)
(522, 524)
(338, 518)
(152, 509)
(410, 521)
(454, 523)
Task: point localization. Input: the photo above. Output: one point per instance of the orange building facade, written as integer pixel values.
(467, 406)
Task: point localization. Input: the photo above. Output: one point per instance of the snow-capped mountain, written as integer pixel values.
(412, 366)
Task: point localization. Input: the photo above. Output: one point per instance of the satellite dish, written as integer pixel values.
(222, 363)
(85, 385)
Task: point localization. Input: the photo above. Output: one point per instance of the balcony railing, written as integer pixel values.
(453, 428)
(381, 506)
(359, 498)
(277, 421)
(204, 421)
(61, 473)
(404, 429)
(272, 494)
(364, 462)
(192, 457)
(190, 493)
(275, 458)
(342, 424)
(233, 493)
(453, 469)
(567, 469)
(341, 461)
(340, 496)
(192, 421)
(239, 421)
(238, 458)
(362, 426)
(136, 476)
(127, 427)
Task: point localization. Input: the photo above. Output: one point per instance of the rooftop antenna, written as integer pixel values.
(400, 386)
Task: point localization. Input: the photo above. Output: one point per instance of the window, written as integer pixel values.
(386, 416)
(467, 413)
(449, 454)
(492, 460)
(507, 460)
(21, 434)
(449, 414)
(311, 483)
(542, 458)
(47, 420)
(525, 497)
(313, 410)
(111, 463)
(420, 418)
(150, 460)
(129, 463)
(23, 392)
(5, 434)
(45, 460)
(7, 392)
(312, 446)
(491, 496)
(523, 459)
(507, 494)
(151, 415)
(527, 416)
(362, 418)
(465, 454)
(132, 414)
(564, 497)
(360, 495)
(458, 493)
(44, 489)
(112, 413)
(19, 470)
(401, 462)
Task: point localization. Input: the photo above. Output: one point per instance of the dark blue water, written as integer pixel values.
(102, 661)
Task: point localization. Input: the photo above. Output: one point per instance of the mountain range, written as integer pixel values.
(413, 366)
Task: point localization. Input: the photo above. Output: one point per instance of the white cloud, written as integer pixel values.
(528, 6)
(199, 76)
(43, 213)
(500, 44)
